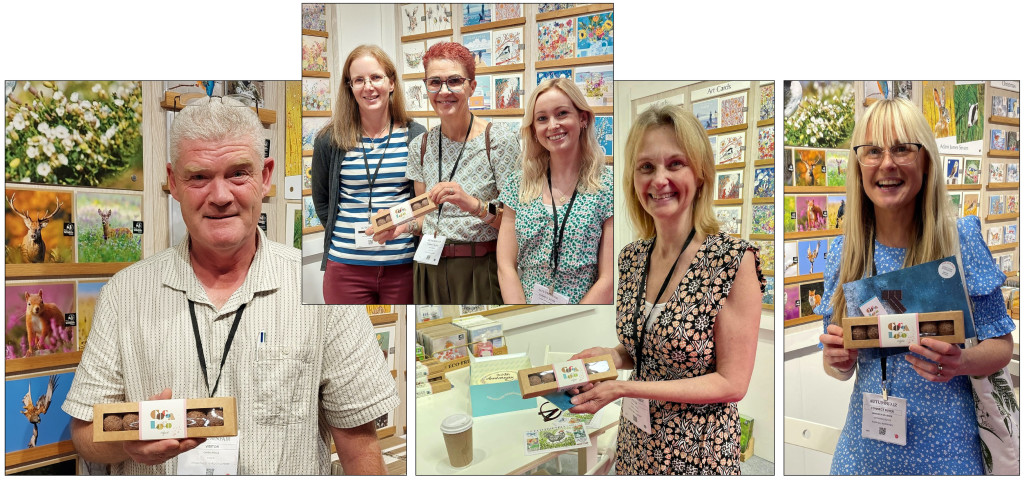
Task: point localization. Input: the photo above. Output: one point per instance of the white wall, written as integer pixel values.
(811, 395)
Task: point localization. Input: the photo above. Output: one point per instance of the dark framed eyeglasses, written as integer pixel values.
(454, 83)
(903, 154)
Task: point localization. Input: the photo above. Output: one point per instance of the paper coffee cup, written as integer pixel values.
(458, 438)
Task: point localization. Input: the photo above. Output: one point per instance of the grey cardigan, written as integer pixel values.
(326, 180)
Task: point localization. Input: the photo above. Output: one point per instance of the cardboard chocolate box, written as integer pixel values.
(563, 376)
(406, 211)
(899, 330)
(165, 419)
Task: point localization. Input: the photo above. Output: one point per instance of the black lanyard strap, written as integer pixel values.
(641, 329)
(440, 160)
(227, 344)
(373, 179)
(557, 235)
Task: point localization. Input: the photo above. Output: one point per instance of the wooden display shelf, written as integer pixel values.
(770, 307)
(766, 122)
(39, 464)
(315, 33)
(40, 363)
(316, 113)
(175, 101)
(868, 102)
(386, 432)
(1005, 154)
(384, 318)
(307, 153)
(810, 234)
(767, 272)
(1010, 273)
(568, 12)
(477, 112)
(801, 320)
(603, 109)
(727, 202)
(515, 67)
(572, 62)
(726, 130)
(731, 166)
(762, 200)
(1002, 217)
(491, 25)
(306, 192)
(316, 73)
(804, 278)
(609, 159)
(812, 189)
(762, 236)
(273, 187)
(764, 162)
(312, 230)
(999, 119)
(963, 187)
(25, 456)
(1003, 247)
(423, 36)
(62, 270)
(1003, 185)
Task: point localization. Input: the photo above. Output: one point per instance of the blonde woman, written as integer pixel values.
(899, 215)
(690, 298)
(557, 226)
(359, 165)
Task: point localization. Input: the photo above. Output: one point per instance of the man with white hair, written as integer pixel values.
(220, 315)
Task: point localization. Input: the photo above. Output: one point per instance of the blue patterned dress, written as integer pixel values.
(942, 434)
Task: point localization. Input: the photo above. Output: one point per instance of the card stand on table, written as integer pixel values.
(462, 362)
(946, 326)
(206, 418)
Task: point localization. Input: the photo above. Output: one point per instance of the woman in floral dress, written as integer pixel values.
(557, 226)
(696, 339)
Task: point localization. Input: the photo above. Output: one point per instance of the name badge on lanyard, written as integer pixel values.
(638, 413)
(217, 456)
(544, 295)
(884, 419)
(362, 240)
(429, 251)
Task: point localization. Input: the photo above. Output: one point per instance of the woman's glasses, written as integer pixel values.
(359, 82)
(454, 84)
(872, 155)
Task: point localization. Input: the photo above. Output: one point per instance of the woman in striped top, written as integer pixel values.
(359, 167)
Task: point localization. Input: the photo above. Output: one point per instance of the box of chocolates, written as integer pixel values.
(165, 419)
(900, 330)
(563, 376)
(406, 211)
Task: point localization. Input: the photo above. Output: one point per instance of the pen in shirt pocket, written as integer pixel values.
(260, 344)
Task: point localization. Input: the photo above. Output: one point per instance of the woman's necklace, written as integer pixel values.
(372, 137)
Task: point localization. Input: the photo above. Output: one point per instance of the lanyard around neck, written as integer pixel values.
(373, 179)
(440, 160)
(557, 235)
(641, 328)
(199, 345)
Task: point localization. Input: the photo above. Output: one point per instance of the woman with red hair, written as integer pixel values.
(462, 164)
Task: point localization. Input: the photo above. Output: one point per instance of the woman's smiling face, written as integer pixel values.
(889, 185)
(665, 181)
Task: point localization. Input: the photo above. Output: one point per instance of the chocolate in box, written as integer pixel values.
(563, 376)
(402, 213)
(900, 330)
(165, 419)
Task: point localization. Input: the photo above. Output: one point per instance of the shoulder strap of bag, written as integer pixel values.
(487, 141)
(423, 147)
